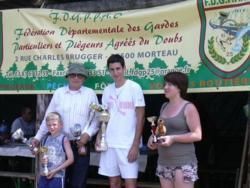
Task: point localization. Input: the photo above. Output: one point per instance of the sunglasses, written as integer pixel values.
(76, 75)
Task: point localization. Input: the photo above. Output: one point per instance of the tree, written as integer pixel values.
(158, 63)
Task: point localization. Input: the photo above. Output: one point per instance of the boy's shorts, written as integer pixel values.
(114, 162)
(57, 182)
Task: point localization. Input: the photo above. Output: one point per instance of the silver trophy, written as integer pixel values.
(103, 118)
(19, 135)
(76, 130)
(44, 151)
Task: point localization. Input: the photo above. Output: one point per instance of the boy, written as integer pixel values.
(59, 154)
(125, 102)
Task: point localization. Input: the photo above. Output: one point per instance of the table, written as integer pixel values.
(18, 150)
(15, 150)
(22, 150)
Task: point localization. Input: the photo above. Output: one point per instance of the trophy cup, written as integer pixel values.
(44, 152)
(157, 130)
(152, 120)
(103, 118)
(76, 131)
(161, 129)
(19, 135)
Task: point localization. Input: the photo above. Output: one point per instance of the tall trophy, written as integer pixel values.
(19, 135)
(103, 118)
(44, 151)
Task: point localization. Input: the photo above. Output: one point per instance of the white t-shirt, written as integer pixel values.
(121, 103)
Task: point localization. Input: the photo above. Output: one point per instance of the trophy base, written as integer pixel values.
(101, 148)
(46, 173)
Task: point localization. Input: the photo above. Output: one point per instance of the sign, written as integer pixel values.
(208, 40)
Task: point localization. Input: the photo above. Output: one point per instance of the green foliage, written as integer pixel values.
(182, 63)
(45, 67)
(236, 58)
(13, 68)
(30, 66)
(89, 65)
(138, 65)
(60, 67)
(158, 63)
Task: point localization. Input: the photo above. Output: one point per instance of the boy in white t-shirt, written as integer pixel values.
(125, 102)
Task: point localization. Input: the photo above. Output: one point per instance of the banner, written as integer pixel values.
(208, 40)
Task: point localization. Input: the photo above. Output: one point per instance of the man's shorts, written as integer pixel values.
(189, 172)
(114, 162)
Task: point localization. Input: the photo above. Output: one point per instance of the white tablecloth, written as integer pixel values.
(13, 150)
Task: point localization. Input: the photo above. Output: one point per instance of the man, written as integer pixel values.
(72, 103)
(25, 122)
(125, 102)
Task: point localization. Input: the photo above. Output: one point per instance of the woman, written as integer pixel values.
(177, 163)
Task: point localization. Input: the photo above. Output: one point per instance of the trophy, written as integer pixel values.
(152, 120)
(161, 129)
(77, 131)
(157, 130)
(44, 152)
(19, 135)
(103, 118)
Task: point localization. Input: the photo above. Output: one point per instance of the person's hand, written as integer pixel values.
(151, 144)
(34, 146)
(165, 140)
(133, 153)
(35, 142)
(83, 140)
(51, 174)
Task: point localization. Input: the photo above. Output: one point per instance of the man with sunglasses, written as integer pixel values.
(72, 103)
